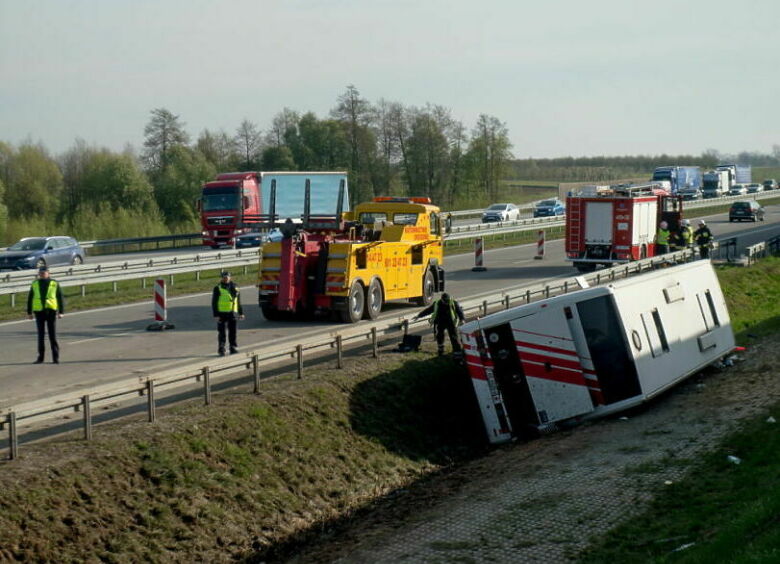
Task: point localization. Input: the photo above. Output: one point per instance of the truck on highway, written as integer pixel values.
(618, 224)
(739, 174)
(716, 183)
(229, 205)
(350, 263)
(681, 178)
(595, 351)
(233, 203)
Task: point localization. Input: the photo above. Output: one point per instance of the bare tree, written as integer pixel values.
(163, 132)
(249, 139)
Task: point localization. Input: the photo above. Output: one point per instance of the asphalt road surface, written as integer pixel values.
(109, 344)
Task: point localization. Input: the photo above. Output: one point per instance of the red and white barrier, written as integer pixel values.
(479, 265)
(540, 245)
(160, 308)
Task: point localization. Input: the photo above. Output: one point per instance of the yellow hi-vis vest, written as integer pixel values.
(663, 236)
(453, 313)
(226, 302)
(51, 296)
(687, 235)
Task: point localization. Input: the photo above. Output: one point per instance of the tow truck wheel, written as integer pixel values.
(271, 313)
(428, 289)
(356, 302)
(374, 299)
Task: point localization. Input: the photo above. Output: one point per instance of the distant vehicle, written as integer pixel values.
(34, 252)
(547, 208)
(754, 187)
(741, 174)
(690, 193)
(770, 184)
(737, 190)
(746, 210)
(680, 177)
(251, 239)
(716, 183)
(501, 212)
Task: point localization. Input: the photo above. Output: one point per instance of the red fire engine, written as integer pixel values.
(617, 224)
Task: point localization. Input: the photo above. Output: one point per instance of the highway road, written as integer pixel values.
(105, 345)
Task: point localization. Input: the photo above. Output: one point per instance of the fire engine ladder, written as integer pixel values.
(574, 224)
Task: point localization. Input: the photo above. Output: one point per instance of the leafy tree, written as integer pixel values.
(249, 140)
(354, 112)
(3, 212)
(280, 125)
(219, 149)
(34, 184)
(163, 133)
(427, 159)
(178, 186)
(489, 153)
(277, 158)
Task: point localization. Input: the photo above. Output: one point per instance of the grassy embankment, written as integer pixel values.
(251, 472)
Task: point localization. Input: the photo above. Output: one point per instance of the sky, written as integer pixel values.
(567, 77)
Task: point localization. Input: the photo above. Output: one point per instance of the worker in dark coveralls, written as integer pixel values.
(45, 303)
(446, 315)
(226, 308)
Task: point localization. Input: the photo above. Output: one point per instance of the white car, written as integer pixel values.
(737, 190)
(754, 187)
(501, 212)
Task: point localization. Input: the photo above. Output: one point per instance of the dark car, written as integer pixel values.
(746, 210)
(547, 208)
(251, 239)
(34, 252)
(770, 184)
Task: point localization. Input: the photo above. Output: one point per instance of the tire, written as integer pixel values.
(585, 266)
(77, 260)
(428, 290)
(270, 312)
(375, 299)
(356, 302)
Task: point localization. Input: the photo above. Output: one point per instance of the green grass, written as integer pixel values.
(723, 512)
(753, 296)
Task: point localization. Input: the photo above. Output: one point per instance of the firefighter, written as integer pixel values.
(662, 239)
(226, 307)
(703, 238)
(686, 234)
(45, 303)
(446, 314)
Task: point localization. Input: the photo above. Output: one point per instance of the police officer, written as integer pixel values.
(446, 313)
(662, 239)
(226, 307)
(703, 238)
(45, 303)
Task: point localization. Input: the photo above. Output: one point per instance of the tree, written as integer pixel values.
(277, 158)
(427, 155)
(489, 153)
(249, 140)
(219, 149)
(3, 212)
(162, 134)
(34, 185)
(178, 186)
(281, 123)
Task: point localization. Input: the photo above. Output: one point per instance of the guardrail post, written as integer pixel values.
(13, 438)
(150, 400)
(339, 352)
(566, 287)
(374, 343)
(547, 291)
(206, 384)
(506, 301)
(197, 275)
(256, 374)
(299, 355)
(83, 290)
(113, 286)
(484, 307)
(87, 417)
(13, 300)
(528, 296)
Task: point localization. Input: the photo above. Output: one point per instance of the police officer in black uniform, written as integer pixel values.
(45, 303)
(226, 308)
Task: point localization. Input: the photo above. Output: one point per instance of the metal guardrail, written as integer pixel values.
(16, 281)
(107, 395)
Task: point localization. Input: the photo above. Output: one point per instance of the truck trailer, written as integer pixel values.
(716, 183)
(682, 178)
(596, 351)
(618, 224)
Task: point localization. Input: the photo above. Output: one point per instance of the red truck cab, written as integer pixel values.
(229, 206)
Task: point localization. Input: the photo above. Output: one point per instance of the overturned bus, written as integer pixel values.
(595, 351)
